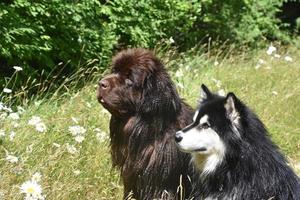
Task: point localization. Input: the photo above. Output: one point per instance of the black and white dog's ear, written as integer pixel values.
(204, 93)
(231, 108)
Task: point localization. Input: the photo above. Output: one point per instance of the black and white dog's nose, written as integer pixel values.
(178, 137)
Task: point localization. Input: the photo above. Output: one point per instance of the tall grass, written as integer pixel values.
(270, 86)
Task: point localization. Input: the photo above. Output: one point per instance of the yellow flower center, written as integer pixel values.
(30, 190)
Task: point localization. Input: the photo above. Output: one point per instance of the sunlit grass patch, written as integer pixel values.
(66, 174)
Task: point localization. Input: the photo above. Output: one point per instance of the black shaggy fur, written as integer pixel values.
(146, 112)
(253, 167)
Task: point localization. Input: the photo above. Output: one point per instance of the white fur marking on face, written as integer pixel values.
(197, 138)
(208, 162)
(204, 119)
(195, 115)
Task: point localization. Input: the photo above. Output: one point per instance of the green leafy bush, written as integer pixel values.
(51, 37)
(44, 33)
(144, 23)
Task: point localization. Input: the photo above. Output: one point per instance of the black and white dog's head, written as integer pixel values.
(216, 119)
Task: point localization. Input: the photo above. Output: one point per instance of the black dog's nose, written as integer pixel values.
(104, 84)
(178, 137)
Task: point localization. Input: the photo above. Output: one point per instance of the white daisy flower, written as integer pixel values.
(7, 90)
(37, 122)
(32, 190)
(79, 138)
(17, 68)
(76, 130)
(34, 120)
(40, 127)
(14, 116)
(71, 149)
(271, 50)
(12, 158)
(216, 63)
(288, 59)
(102, 136)
(77, 172)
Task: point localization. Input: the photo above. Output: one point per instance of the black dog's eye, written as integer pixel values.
(205, 125)
(128, 82)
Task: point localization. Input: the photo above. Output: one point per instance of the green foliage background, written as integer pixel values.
(46, 37)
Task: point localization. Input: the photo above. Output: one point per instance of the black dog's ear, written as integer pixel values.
(231, 104)
(204, 93)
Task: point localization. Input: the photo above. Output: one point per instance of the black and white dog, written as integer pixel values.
(234, 155)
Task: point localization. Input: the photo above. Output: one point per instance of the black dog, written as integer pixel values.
(234, 155)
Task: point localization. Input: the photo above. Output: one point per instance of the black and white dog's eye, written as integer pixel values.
(205, 125)
(128, 82)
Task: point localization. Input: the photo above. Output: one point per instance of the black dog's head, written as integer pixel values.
(138, 85)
